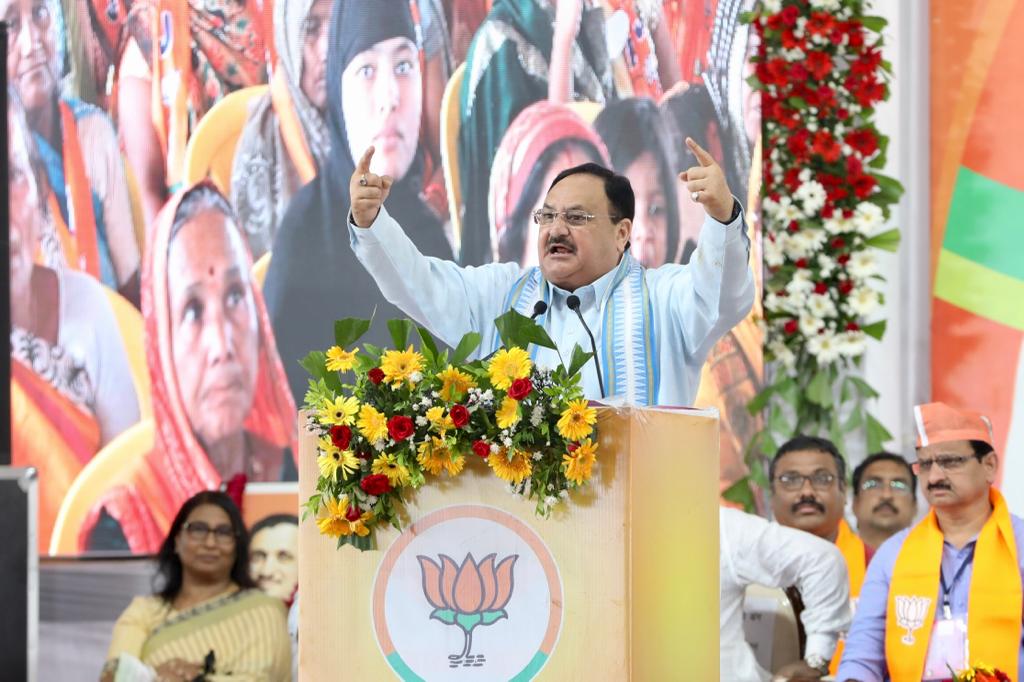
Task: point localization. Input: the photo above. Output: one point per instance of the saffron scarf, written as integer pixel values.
(993, 607)
(628, 346)
(78, 237)
(852, 548)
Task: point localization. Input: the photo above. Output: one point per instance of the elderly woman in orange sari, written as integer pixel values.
(221, 403)
(89, 201)
(181, 58)
(543, 140)
(71, 386)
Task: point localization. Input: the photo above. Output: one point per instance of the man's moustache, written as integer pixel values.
(809, 501)
(939, 486)
(889, 505)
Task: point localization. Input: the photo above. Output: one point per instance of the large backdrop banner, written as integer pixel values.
(179, 193)
(977, 90)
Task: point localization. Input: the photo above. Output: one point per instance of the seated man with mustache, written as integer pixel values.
(884, 497)
(808, 477)
(653, 327)
(947, 593)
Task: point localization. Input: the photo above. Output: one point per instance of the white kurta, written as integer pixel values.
(755, 551)
(692, 305)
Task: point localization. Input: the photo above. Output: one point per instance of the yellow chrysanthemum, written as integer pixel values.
(340, 360)
(454, 383)
(397, 473)
(399, 365)
(340, 411)
(508, 414)
(337, 522)
(508, 365)
(579, 463)
(372, 424)
(577, 421)
(512, 468)
(437, 419)
(332, 460)
(434, 456)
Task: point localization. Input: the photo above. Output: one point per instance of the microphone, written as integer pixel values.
(539, 308)
(573, 302)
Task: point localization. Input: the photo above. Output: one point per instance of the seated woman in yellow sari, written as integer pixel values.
(71, 386)
(221, 403)
(208, 617)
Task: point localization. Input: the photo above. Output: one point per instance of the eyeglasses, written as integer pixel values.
(895, 485)
(198, 531)
(573, 217)
(944, 462)
(820, 480)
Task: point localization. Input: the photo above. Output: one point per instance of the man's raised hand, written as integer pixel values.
(367, 191)
(706, 184)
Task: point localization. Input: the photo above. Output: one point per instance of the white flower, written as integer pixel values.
(812, 195)
(852, 343)
(772, 6)
(867, 218)
(797, 245)
(794, 55)
(773, 303)
(528, 488)
(564, 494)
(782, 354)
(537, 456)
(826, 5)
(821, 306)
(507, 441)
(550, 501)
(421, 421)
(537, 416)
(801, 282)
(824, 346)
(838, 224)
(787, 211)
(809, 324)
(415, 377)
(826, 264)
(863, 301)
(862, 264)
(773, 255)
(495, 448)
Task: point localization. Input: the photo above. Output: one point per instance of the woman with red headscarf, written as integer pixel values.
(221, 404)
(543, 140)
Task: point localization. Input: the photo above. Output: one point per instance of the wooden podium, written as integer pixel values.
(620, 583)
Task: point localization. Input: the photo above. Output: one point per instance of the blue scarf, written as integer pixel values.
(628, 346)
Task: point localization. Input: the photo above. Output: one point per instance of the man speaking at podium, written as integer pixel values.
(652, 328)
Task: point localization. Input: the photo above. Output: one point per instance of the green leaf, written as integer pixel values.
(490, 617)
(747, 17)
(446, 616)
(400, 330)
(874, 24)
(363, 543)
(468, 621)
(887, 241)
(863, 387)
(741, 493)
(876, 433)
(579, 358)
(855, 420)
(891, 189)
(315, 363)
(760, 400)
(789, 391)
(469, 343)
(777, 422)
(427, 345)
(797, 102)
(350, 330)
(875, 330)
(819, 391)
(517, 329)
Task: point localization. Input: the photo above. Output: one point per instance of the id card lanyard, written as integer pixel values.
(947, 611)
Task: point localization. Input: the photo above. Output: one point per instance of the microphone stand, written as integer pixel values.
(573, 302)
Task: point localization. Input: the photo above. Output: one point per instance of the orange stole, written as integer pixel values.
(291, 128)
(993, 605)
(79, 240)
(52, 434)
(854, 552)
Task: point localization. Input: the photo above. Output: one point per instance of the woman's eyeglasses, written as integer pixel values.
(197, 531)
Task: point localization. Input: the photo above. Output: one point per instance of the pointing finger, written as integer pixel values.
(703, 157)
(364, 163)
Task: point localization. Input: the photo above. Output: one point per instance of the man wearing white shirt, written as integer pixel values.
(755, 551)
(653, 328)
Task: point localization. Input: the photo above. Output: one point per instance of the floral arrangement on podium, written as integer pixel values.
(390, 420)
(980, 673)
(821, 74)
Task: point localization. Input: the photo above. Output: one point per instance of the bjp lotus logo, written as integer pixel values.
(469, 595)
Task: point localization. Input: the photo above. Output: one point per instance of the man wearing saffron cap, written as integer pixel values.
(946, 593)
(652, 327)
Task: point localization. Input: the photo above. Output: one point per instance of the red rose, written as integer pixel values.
(827, 211)
(790, 14)
(838, 243)
(801, 262)
(481, 449)
(519, 389)
(863, 140)
(819, 64)
(821, 288)
(845, 287)
(353, 513)
(400, 427)
(341, 436)
(852, 327)
(791, 327)
(864, 186)
(826, 146)
(844, 259)
(376, 375)
(459, 415)
(572, 447)
(375, 484)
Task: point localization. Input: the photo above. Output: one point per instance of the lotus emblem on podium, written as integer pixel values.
(467, 596)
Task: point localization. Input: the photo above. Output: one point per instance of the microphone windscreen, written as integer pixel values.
(539, 308)
(573, 301)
